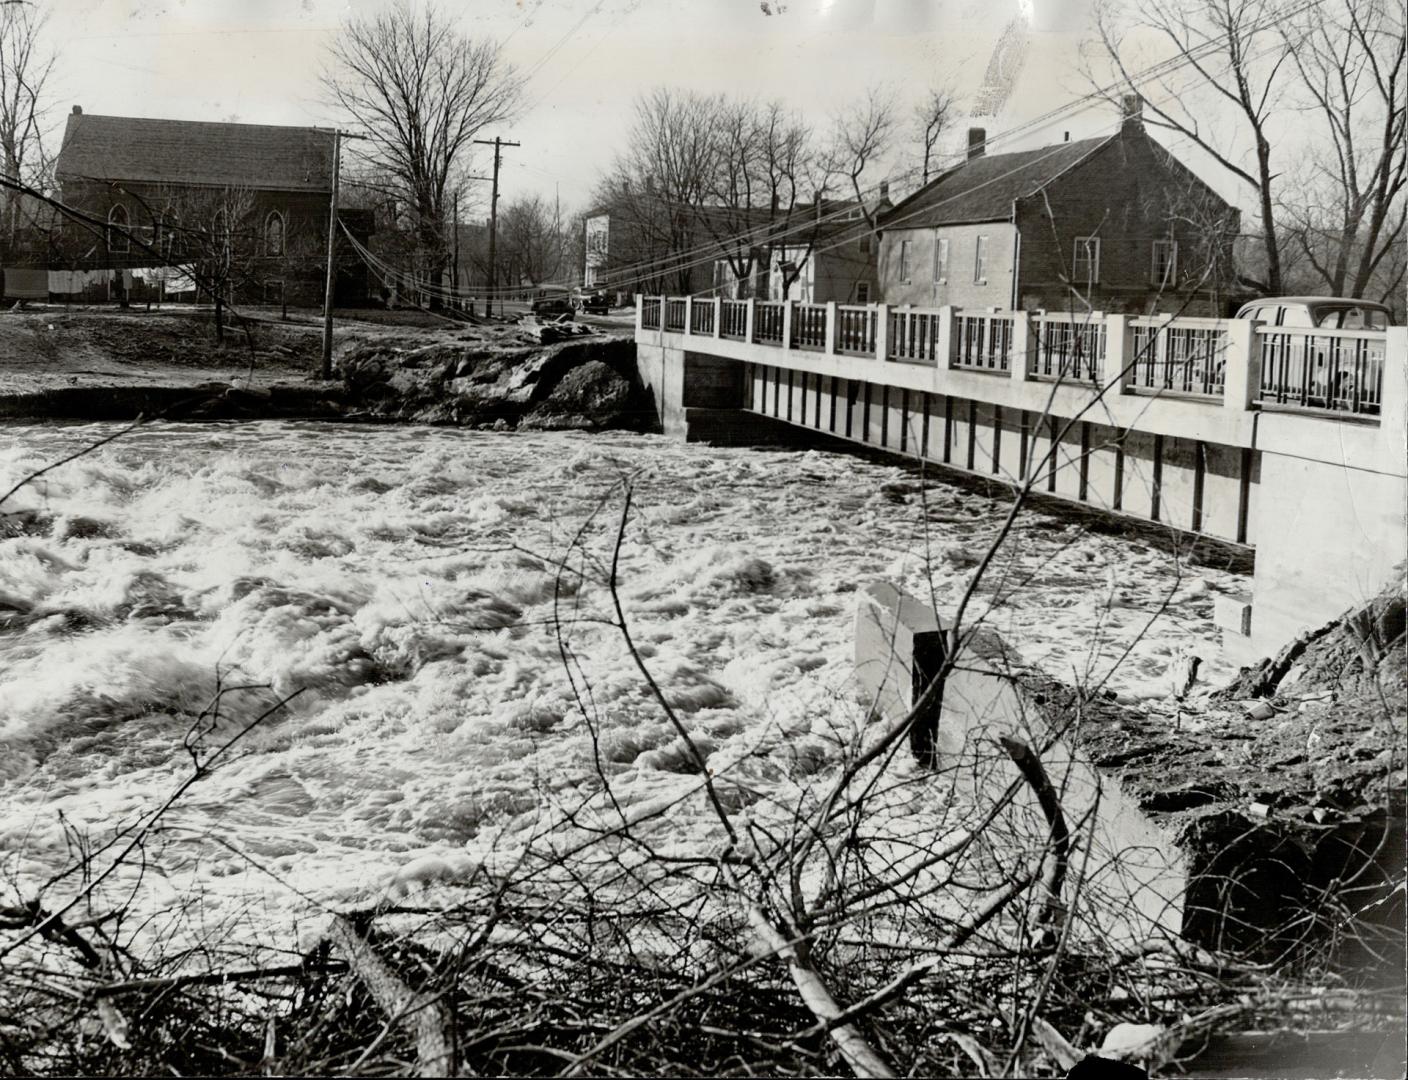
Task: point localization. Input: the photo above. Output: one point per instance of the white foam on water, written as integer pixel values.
(405, 581)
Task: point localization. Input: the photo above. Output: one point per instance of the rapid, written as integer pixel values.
(162, 591)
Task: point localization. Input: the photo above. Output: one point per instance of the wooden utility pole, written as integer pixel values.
(337, 137)
(332, 237)
(498, 145)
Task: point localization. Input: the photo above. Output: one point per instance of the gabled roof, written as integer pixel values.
(138, 149)
(984, 188)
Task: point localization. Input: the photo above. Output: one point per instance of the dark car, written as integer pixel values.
(552, 307)
(593, 303)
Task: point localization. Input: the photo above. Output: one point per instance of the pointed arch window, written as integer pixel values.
(118, 240)
(274, 233)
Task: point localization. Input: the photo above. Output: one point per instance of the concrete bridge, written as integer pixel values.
(1287, 440)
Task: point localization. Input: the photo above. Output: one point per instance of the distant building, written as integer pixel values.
(1114, 224)
(160, 182)
(828, 251)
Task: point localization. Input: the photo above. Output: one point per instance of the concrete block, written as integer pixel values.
(1233, 614)
(899, 648)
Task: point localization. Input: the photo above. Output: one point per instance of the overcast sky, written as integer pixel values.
(257, 61)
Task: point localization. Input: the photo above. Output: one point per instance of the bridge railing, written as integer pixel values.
(914, 337)
(768, 320)
(733, 319)
(1070, 348)
(701, 316)
(1330, 372)
(809, 326)
(983, 341)
(674, 315)
(1336, 370)
(1182, 356)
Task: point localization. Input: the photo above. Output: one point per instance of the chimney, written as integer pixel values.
(1067, 138)
(884, 189)
(78, 110)
(977, 142)
(1131, 113)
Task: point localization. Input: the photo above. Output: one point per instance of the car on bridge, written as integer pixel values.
(1324, 312)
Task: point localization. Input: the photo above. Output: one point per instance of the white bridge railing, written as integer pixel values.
(1329, 372)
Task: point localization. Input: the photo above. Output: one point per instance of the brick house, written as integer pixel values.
(163, 181)
(1111, 224)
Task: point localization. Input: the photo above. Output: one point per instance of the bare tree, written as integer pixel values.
(1347, 214)
(530, 244)
(1239, 56)
(862, 136)
(931, 119)
(25, 66)
(215, 233)
(659, 183)
(421, 91)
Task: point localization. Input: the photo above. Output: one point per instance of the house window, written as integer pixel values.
(1086, 268)
(1165, 268)
(274, 233)
(117, 230)
(980, 261)
(863, 292)
(904, 260)
(170, 227)
(865, 244)
(940, 259)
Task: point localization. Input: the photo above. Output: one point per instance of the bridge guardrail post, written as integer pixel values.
(688, 315)
(1119, 351)
(832, 329)
(749, 318)
(640, 312)
(1393, 399)
(882, 332)
(718, 316)
(787, 324)
(1241, 373)
(947, 314)
(1024, 344)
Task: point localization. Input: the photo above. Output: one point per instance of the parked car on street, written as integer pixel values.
(1325, 312)
(594, 303)
(552, 307)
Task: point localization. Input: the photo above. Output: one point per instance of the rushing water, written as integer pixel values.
(402, 581)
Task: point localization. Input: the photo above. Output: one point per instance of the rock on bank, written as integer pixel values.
(585, 383)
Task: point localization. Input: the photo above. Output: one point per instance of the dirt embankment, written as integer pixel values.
(1285, 790)
(106, 364)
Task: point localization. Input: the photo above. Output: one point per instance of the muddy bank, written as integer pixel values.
(1285, 790)
(588, 383)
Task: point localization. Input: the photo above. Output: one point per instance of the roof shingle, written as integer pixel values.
(984, 188)
(137, 149)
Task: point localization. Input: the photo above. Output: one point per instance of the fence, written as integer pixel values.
(914, 337)
(983, 342)
(733, 315)
(1339, 370)
(1068, 347)
(701, 317)
(809, 326)
(767, 321)
(674, 315)
(650, 313)
(855, 330)
(1184, 357)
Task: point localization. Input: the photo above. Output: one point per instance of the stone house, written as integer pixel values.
(1112, 224)
(158, 185)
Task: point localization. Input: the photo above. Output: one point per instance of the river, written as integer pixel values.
(401, 581)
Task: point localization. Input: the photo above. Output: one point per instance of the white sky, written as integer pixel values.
(257, 61)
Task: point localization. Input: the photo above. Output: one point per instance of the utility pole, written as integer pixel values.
(337, 137)
(498, 145)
